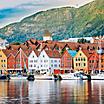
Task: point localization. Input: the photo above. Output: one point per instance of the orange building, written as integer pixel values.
(67, 60)
(93, 62)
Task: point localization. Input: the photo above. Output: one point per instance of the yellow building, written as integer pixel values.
(3, 62)
(81, 61)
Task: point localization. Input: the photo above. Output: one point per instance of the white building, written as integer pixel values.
(33, 62)
(48, 61)
(47, 36)
(90, 39)
(3, 43)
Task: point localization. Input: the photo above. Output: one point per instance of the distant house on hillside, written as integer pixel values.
(47, 35)
(90, 39)
(3, 43)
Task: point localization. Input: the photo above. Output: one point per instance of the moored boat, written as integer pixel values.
(74, 76)
(97, 77)
(44, 77)
(4, 77)
(30, 78)
(18, 77)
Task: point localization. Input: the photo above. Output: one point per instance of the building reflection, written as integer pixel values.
(14, 92)
(17, 89)
(50, 92)
(3, 88)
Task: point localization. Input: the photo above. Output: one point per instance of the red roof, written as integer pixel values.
(53, 54)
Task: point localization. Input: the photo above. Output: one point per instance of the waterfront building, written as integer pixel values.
(11, 62)
(81, 61)
(33, 62)
(3, 62)
(67, 60)
(49, 61)
(93, 63)
(21, 61)
(101, 63)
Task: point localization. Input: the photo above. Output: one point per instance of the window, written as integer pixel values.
(33, 56)
(4, 65)
(4, 60)
(35, 60)
(84, 59)
(55, 65)
(52, 61)
(43, 55)
(0, 55)
(76, 64)
(81, 59)
(76, 59)
(34, 65)
(52, 65)
(80, 54)
(84, 64)
(92, 61)
(45, 60)
(1, 65)
(31, 60)
(1, 60)
(55, 60)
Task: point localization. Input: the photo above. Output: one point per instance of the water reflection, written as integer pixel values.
(50, 92)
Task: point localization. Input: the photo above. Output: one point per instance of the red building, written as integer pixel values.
(66, 62)
(11, 62)
(93, 62)
(21, 60)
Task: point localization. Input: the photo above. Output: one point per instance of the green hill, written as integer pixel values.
(65, 22)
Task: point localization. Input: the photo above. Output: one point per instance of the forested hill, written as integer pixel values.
(63, 23)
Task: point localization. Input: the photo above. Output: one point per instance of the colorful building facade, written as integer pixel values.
(3, 63)
(81, 61)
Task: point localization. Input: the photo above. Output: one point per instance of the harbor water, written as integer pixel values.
(51, 92)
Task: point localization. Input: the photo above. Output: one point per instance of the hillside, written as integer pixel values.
(63, 22)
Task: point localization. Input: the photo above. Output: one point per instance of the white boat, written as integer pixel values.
(69, 76)
(18, 77)
(97, 77)
(44, 77)
(74, 76)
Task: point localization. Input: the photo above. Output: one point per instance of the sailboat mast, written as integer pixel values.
(20, 59)
(100, 53)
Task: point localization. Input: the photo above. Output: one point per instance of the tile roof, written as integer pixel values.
(53, 54)
(86, 52)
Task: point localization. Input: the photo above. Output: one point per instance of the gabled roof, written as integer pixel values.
(47, 33)
(72, 53)
(86, 52)
(53, 54)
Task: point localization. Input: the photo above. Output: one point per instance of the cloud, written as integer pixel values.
(15, 10)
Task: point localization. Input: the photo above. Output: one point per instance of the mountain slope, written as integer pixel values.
(62, 22)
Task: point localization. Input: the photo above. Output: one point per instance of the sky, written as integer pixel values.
(15, 10)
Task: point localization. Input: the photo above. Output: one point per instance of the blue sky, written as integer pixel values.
(15, 10)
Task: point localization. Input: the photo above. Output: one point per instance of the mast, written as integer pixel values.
(99, 43)
(20, 59)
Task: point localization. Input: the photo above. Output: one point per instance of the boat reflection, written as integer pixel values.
(50, 92)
